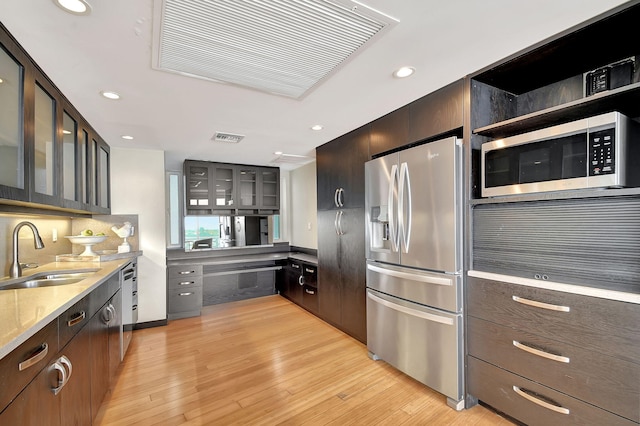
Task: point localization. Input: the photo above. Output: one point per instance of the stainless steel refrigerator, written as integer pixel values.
(414, 264)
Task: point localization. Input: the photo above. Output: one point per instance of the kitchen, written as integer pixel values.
(146, 168)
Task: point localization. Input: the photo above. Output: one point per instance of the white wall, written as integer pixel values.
(303, 213)
(137, 187)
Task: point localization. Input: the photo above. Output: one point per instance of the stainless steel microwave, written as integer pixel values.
(596, 152)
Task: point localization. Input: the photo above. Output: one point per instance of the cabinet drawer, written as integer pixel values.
(185, 282)
(604, 381)
(183, 271)
(73, 319)
(310, 298)
(531, 402)
(601, 325)
(187, 300)
(25, 362)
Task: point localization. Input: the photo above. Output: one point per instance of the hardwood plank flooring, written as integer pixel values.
(266, 361)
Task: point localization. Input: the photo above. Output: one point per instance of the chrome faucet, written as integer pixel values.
(16, 270)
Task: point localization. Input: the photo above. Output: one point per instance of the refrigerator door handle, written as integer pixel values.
(335, 222)
(340, 231)
(410, 276)
(335, 197)
(393, 220)
(409, 311)
(405, 216)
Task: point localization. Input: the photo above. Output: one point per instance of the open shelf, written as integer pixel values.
(624, 99)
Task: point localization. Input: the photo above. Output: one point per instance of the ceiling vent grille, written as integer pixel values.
(227, 137)
(291, 159)
(285, 47)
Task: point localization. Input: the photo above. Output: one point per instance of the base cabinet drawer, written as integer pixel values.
(185, 302)
(601, 380)
(532, 403)
(310, 298)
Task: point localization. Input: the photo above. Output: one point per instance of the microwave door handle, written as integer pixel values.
(393, 225)
(405, 183)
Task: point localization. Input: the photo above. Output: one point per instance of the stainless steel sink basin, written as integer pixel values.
(48, 280)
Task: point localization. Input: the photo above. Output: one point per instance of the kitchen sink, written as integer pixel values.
(49, 280)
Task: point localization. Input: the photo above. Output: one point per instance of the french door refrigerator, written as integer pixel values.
(414, 264)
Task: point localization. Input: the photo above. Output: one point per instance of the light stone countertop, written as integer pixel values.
(24, 312)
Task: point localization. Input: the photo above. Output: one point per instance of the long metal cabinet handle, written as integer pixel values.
(335, 197)
(405, 216)
(340, 231)
(36, 358)
(77, 319)
(412, 277)
(335, 222)
(301, 280)
(66, 362)
(409, 311)
(62, 376)
(542, 305)
(393, 221)
(540, 353)
(540, 402)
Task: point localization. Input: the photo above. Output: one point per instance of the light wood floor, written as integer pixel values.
(266, 361)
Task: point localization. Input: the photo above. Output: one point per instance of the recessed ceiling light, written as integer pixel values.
(316, 127)
(404, 72)
(127, 137)
(110, 95)
(1, 81)
(77, 7)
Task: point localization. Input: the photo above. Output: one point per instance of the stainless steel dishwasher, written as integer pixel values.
(129, 286)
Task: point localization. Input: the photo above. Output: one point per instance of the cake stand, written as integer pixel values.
(87, 242)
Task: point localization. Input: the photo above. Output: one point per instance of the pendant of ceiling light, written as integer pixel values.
(76, 7)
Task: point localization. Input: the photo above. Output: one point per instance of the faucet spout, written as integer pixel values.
(16, 270)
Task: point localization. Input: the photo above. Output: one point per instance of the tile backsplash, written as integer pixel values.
(63, 226)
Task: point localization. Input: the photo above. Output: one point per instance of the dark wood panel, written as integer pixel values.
(329, 279)
(601, 325)
(437, 113)
(353, 274)
(72, 320)
(390, 132)
(601, 380)
(77, 398)
(99, 356)
(495, 387)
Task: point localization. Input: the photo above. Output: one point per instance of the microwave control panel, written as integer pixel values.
(602, 152)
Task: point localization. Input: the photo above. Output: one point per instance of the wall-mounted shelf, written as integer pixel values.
(624, 99)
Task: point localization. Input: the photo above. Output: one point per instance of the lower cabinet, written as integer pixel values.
(549, 357)
(45, 385)
(301, 284)
(184, 291)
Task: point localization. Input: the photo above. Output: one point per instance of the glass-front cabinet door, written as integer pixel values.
(224, 178)
(103, 173)
(247, 187)
(70, 158)
(199, 185)
(45, 150)
(12, 147)
(270, 188)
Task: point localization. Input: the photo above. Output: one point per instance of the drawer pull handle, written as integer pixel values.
(540, 402)
(36, 358)
(186, 272)
(77, 319)
(62, 377)
(540, 353)
(309, 291)
(186, 282)
(541, 304)
(309, 270)
(185, 294)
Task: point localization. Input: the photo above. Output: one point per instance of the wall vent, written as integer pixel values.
(291, 159)
(226, 137)
(284, 47)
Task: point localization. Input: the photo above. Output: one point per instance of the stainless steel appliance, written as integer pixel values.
(414, 263)
(129, 286)
(594, 152)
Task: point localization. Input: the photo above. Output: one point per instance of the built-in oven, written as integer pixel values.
(595, 152)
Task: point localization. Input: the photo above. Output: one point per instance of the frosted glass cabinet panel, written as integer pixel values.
(248, 181)
(11, 107)
(44, 139)
(69, 161)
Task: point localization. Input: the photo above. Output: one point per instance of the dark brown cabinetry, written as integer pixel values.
(340, 192)
(230, 189)
(184, 291)
(300, 284)
(50, 156)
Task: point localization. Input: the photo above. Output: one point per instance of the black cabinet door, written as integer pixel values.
(436, 113)
(76, 404)
(340, 167)
(329, 277)
(352, 274)
(390, 131)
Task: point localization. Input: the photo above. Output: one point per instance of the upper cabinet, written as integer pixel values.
(220, 188)
(340, 184)
(49, 156)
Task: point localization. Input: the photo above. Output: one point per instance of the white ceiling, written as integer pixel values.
(111, 49)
